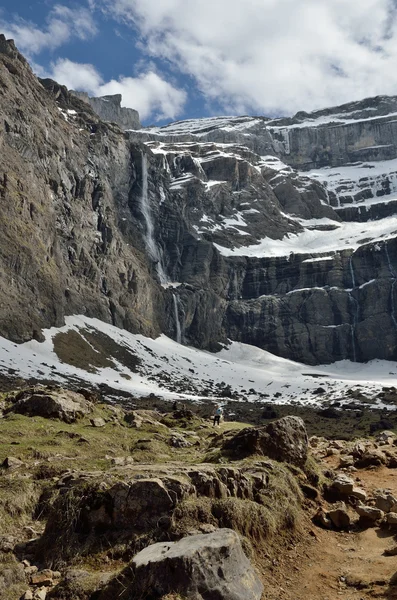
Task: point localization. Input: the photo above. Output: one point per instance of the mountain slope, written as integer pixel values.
(200, 229)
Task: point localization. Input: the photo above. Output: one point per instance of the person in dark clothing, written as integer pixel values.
(218, 415)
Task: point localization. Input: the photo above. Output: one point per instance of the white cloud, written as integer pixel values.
(272, 56)
(76, 76)
(149, 94)
(62, 24)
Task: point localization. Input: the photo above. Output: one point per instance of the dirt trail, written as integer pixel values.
(332, 565)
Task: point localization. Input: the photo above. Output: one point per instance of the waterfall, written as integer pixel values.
(151, 245)
(352, 271)
(356, 312)
(392, 272)
(393, 275)
(178, 329)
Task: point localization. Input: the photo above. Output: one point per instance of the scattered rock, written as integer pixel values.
(369, 512)
(343, 484)
(371, 458)
(391, 551)
(12, 463)
(98, 422)
(359, 494)
(385, 502)
(391, 518)
(339, 516)
(122, 461)
(28, 595)
(207, 566)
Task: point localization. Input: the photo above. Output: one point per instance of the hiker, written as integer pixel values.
(218, 414)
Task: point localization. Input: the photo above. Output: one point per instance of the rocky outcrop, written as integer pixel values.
(60, 404)
(284, 440)
(109, 109)
(208, 566)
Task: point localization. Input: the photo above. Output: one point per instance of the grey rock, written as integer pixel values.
(385, 502)
(339, 516)
(208, 566)
(369, 512)
(359, 494)
(109, 108)
(98, 422)
(284, 440)
(28, 595)
(391, 518)
(343, 484)
(12, 463)
(60, 404)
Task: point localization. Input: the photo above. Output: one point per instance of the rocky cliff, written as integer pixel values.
(109, 108)
(230, 227)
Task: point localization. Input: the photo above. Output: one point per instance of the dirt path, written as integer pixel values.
(330, 565)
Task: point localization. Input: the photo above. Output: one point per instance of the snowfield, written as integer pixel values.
(166, 367)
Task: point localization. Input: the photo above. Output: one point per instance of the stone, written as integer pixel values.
(31, 570)
(346, 461)
(322, 519)
(7, 543)
(28, 595)
(40, 594)
(201, 567)
(12, 463)
(98, 422)
(122, 461)
(391, 551)
(359, 494)
(385, 502)
(43, 578)
(284, 440)
(385, 436)
(370, 458)
(339, 516)
(60, 404)
(391, 518)
(179, 441)
(343, 484)
(369, 513)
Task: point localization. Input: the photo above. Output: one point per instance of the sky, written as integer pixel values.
(178, 59)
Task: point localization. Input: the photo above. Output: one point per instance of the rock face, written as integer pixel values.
(65, 405)
(201, 567)
(100, 222)
(284, 440)
(109, 108)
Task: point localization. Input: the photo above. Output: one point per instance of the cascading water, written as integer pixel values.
(151, 245)
(393, 275)
(178, 329)
(352, 272)
(356, 312)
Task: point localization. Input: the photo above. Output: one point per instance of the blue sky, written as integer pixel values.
(174, 59)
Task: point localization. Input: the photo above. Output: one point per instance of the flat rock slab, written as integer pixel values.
(210, 566)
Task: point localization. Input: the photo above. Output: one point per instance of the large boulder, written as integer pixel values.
(284, 440)
(51, 403)
(209, 566)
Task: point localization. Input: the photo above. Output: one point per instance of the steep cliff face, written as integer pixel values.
(109, 109)
(69, 187)
(199, 229)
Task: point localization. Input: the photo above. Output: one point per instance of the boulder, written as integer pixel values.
(369, 512)
(52, 403)
(98, 422)
(200, 567)
(12, 463)
(391, 518)
(339, 516)
(385, 502)
(342, 484)
(371, 458)
(359, 494)
(284, 440)
(385, 437)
